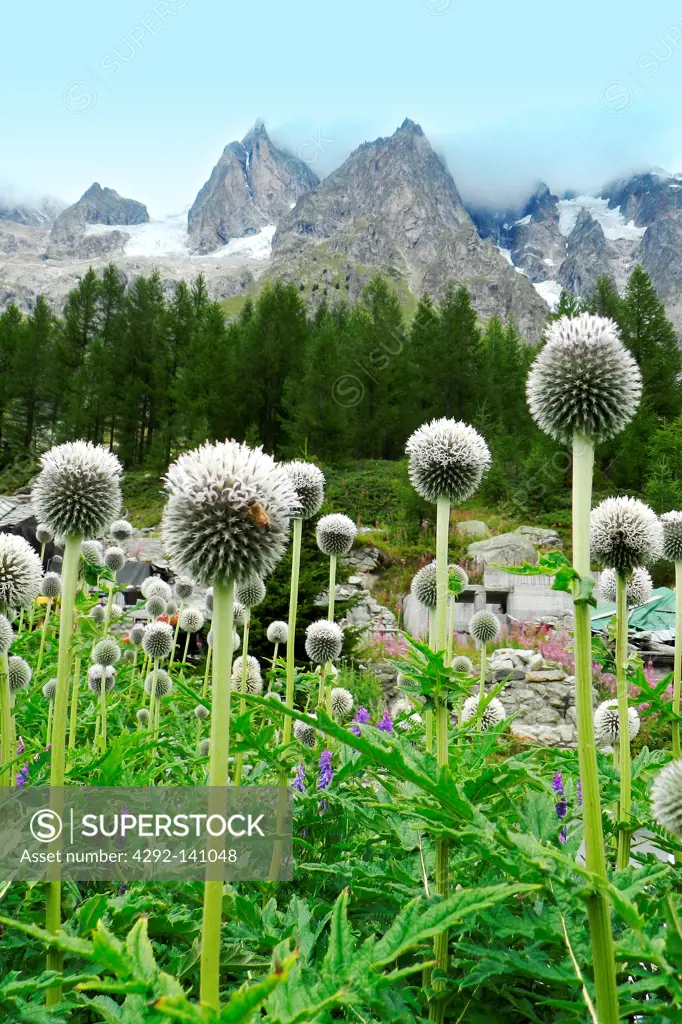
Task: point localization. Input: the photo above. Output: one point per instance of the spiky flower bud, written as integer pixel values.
(121, 531)
(154, 586)
(666, 798)
(342, 701)
(625, 533)
(672, 536)
(171, 609)
(401, 707)
(423, 586)
(142, 715)
(335, 534)
(137, 633)
(106, 652)
(228, 512)
(20, 673)
(254, 679)
(52, 585)
(305, 734)
(456, 572)
(240, 613)
(184, 587)
(114, 559)
(638, 586)
(323, 641)
(155, 606)
(6, 634)
(164, 683)
(191, 620)
(129, 656)
(250, 592)
(492, 716)
(50, 689)
(204, 748)
(208, 600)
(98, 613)
(236, 640)
(448, 458)
(157, 640)
(97, 673)
(273, 696)
(78, 490)
(93, 553)
(460, 663)
(201, 713)
(20, 572)
(607, 723)
(44, 534)
(584, 381)
(308, 482)
(485, 626)
(278, 632)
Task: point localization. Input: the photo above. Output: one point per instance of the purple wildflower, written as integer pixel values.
(386, 723)
(579, 791)
(558, 783)
(299, 779)
(322, 806)
(362, 716)
(355, 729)
(563, 835)
(326, 775)
(560, 804)
(22, 776)
(21, 747)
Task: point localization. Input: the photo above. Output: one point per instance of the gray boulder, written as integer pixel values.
(473, 528)
(542, 538)
(505, 549)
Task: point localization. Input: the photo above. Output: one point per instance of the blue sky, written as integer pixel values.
(143, 95)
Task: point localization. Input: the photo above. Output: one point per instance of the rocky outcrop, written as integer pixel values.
(504, 549)
(101, 206)
(253, 185)
(535, 241)
(589, 256)
(42, 215)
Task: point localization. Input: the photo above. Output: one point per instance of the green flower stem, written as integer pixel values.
(46, 620)
(274, 657)
(42, 553)
(207, 672)
(110, 602)
(484, 669)
(297, 530)
(677, 670)
(242, 700)
(21, 621)
(451, 627)
(223, 629)
(625, 807)
(332, 587)
(8, 748)
(428, 714)
(598, 909)
(103, 713)
(153, 701)
(175, 635)
(184, 656)
(75, 690)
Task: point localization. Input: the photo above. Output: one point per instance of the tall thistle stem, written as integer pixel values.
(598, 909)
(332, 587)
(175, 635)
(75, 691)
(297, 531)
(242, 699)
(207, 672)
(223, 628)
(70, 564)
(625, 806)
(677, 669)
(46, 622)
(484, 670)
(8, 748)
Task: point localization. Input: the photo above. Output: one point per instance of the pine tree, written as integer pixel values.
(11, 327)
(32, 378)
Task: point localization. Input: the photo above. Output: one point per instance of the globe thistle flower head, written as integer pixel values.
(399, 709)
(129, 656)
(93, 553)
(308, 482)
(228, 512)
(184, 588)
(208, 600)
(447, 459)
(240, 613)
(638, 586)
(254, 679)
(323, 641)
(460, 575)
(52, 585)
(204, 748)
(201, 713)
(50, 689)
(164, 683)
(142, 715)
(624, 534)
(6, 634)
(342, 701)
(99, 673)
(137, 634)
(171, 609)
(485, 627)
(154, 586)
(98, 613)
(335, 534)
(672, 536)
(460, 663)
(191, 620)
(584, 381)
(106, 652)
(305, 734)
(607, 723)
(250, 592)
(423, 586)
(157, 641)
(114, 559)
(666, 798)
(44, 534)
(494, 712)
(278, 632)
(21, 573)
(155, 606)
(78, 490)
(20, 673)
(121, 531)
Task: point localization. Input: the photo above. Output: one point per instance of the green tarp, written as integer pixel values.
(656, 614)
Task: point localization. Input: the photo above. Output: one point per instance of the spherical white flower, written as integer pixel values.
(304, 733)
(157, 641)
(335, 534)
(672, 536)
(172, 609)
(584, 380)
(98, 672)
(52, 585)
(106, 651)
(323, 641)
(137, 633)
(155, 606)
(114, 559)
(204, 748)
(44, 534)
(424, 587)
(278, 632)
(254, 679)
(129, 656)
(184, 587)
(461, 575)
(93, 553)
(607, 723)
(201, 712)
(154, 586)
(228, 512)
(142, 716)
(460, 663)
(399, 709)
(342, 701)
(20, 572)
(240, 613)
(6, 634)
(50, 689)
(164, 683)
(208, 601)
(191, 620)
(20, 673)
(492, 716)
(236, 640)
(121, 531)
(78, 490)
(308, 482)
(666, 798)
(448, 458)
(485, 626)
(250, 592)
(625, 533)
(638, 586)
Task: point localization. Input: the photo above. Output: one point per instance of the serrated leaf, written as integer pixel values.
(141, 953)
(90, 913)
